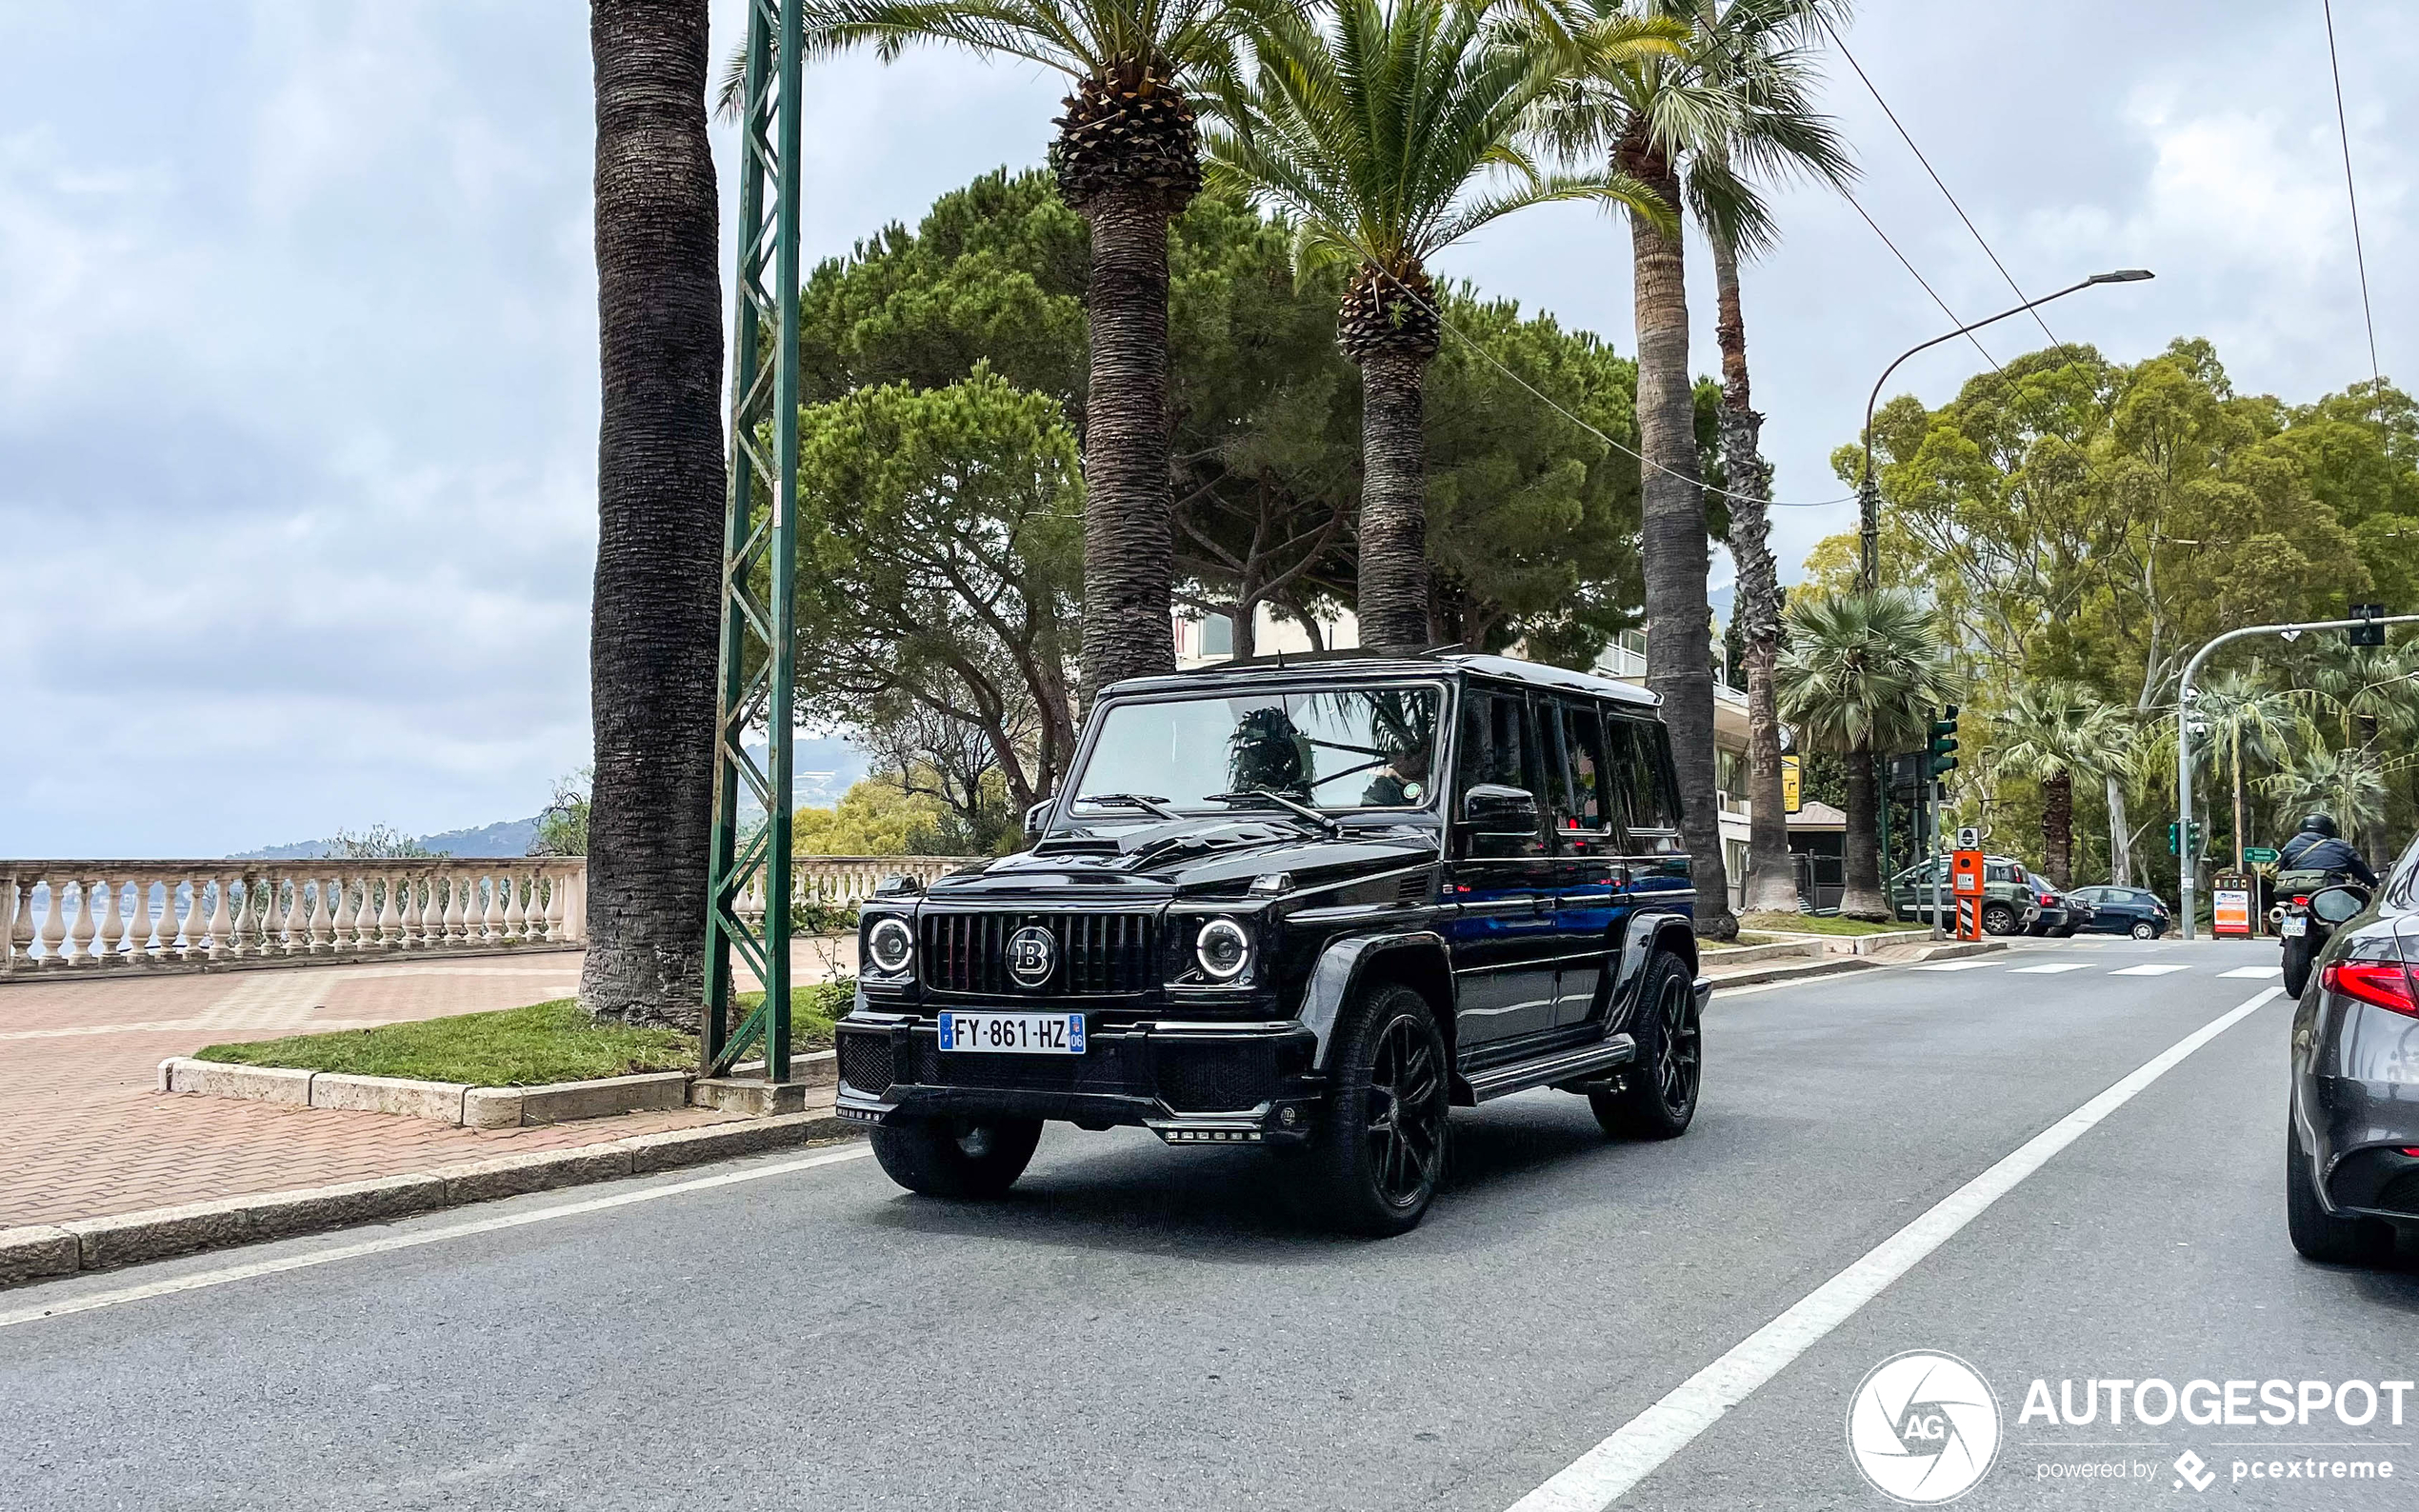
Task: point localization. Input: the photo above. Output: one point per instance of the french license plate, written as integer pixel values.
(1013, 1033)
(2293, 924)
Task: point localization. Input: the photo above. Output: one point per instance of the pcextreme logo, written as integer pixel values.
(1923, 1428)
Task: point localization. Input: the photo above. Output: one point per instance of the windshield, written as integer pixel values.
(1337, 749)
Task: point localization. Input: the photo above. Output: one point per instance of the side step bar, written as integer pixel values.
(1586, 1063)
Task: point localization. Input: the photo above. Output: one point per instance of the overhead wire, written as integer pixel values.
(1919, 278)
(2360, 257)
(1907, 137)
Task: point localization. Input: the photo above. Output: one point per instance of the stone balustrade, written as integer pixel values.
(60, 917)
(73, 917)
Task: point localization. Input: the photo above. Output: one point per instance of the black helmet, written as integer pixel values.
(2321, 825)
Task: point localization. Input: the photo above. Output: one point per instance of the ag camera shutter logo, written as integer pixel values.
(1923, 1428)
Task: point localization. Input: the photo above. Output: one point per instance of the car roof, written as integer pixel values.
(1371, 667)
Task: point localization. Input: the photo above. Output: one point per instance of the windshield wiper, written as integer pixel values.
(1149, 803)
(1299, 809)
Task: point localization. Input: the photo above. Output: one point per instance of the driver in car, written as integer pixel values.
(1402, 781)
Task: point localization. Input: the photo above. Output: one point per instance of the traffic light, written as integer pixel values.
(1940, 756)
(2371, 633)
(2198, 836)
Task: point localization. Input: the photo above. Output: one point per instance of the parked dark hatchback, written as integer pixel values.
(1306, 907)
(2125, 911)
(2352, 1156)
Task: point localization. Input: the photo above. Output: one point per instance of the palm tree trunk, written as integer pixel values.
(1861, 898)
(1393, 591)
(2057, 828)
(660, 486)
(1679, 622)
(1772, 882)
(1128, 550)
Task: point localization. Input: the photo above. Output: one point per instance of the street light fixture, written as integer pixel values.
(1868, 497)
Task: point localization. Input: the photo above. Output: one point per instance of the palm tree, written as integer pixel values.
(1656, 116)
(1127, 158)
(2053, 732)
(1862, 671)
(660, 481)
(2237, 717)
(1384, 131)
(2349, 784)
(1764, 62)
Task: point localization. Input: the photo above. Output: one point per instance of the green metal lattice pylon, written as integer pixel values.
(758, 675)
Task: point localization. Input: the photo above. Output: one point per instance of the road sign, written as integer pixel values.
(1792, 785)
(2258, 855)
(1969, 838)
(2371, 634)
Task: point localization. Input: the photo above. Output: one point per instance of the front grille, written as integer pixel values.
(1217, 1078)
(865, 1062)
(1099, 954)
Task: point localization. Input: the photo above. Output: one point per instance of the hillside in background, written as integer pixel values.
(827, 768)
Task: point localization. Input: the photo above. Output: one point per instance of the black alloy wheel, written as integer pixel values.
(1659, 1096)
(1997, 918)
(1377, 1149)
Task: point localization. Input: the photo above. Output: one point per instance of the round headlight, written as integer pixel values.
(1223, 949)
(892, 943)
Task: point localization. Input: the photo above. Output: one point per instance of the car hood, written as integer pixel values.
(1212, 857)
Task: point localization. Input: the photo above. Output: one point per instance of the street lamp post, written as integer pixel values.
(2187, 856)
(1869, 493)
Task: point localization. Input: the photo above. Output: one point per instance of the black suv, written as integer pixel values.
(1306, 907)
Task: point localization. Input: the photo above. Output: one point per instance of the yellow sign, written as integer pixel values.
(1793, 787)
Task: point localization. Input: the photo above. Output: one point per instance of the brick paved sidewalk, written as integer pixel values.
(84, 1133)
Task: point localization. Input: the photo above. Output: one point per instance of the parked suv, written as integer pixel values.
(1308, 907)
(2008, 903)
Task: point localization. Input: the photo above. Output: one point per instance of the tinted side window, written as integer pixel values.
(1574, 796)
(1637, 795)
(1494, 742)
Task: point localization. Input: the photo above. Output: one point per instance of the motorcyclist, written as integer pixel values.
(2319, 846)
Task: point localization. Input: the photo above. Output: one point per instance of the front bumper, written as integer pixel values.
(1190, 1083)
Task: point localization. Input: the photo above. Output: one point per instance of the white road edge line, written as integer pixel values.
(1605, 1473)
(94, 1301)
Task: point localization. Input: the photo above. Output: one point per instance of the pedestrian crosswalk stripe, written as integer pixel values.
(2154, 969)
(1955, 965)
(2250, 973)
(2051, 970)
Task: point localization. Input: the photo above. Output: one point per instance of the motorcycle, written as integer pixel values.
(2319, 903)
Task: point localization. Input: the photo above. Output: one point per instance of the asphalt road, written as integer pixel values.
(1143, 1328)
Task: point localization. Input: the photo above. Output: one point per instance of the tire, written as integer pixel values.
(2145, 931)
(1660, 1097)
(957, 1158)
(2064, 932)
(1997, 918)
(2318, 1234)
(2037, 929)
(1378, 1147)
(2296, 963)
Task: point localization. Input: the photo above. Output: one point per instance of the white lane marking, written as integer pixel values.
(1607, 1472)
(1955, 965)
(220, 1277)
(2051, 970)
(2250, 973)
(2158, 968)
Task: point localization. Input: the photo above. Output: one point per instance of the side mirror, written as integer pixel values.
(2333, 906)
(1037, 819)
(1491, 809)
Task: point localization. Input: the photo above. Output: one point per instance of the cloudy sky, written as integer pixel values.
(297, 369)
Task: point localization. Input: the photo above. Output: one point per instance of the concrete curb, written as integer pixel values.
(501, 1106)
(43, 1252)
(1832, 966)
(1741, 955)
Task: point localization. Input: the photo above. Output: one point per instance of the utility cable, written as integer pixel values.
(1548, 400)
(1954, 318)
(2360, 258)
(1910, 140)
